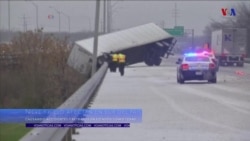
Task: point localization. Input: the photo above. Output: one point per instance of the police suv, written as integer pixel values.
(194, 66)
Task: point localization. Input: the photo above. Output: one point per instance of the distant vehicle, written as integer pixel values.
(230, 46)
(145, 43)
(196, 66)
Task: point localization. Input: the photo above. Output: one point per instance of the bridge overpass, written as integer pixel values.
(172, 112)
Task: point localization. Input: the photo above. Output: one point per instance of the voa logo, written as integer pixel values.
(228, 12)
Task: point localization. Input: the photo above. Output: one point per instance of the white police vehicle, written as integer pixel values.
(214, 59)
(195, 66)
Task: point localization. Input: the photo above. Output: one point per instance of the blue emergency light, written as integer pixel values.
(191, 54)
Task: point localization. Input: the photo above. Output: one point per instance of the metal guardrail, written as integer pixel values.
(78, 100)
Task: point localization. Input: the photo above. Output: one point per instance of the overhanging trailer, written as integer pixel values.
(146, 43)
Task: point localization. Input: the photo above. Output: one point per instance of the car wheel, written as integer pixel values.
(177, 78)
(182, 81)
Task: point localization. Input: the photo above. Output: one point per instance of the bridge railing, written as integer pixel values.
(80, 99)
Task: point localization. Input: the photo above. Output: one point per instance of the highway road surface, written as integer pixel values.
(194, 111)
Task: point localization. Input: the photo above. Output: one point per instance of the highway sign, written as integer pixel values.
(175, 32)
(179, 27)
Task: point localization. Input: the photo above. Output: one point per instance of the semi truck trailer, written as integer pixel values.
(230, 46)
(145, 43)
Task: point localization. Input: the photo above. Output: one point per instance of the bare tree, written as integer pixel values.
(241, 20)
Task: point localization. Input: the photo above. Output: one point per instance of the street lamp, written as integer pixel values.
(36, 6)
(59, 13)
(89, 20)
(110, 13)
(9, 14)
(68, 19)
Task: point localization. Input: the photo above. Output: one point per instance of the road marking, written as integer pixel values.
(230, 103)
(230, 89)
(180, 110)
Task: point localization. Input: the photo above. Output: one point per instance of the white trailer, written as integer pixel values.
(230, 45)
(146, 43)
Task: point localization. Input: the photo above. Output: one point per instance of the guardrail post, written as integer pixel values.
(74, 131)
(67, 136)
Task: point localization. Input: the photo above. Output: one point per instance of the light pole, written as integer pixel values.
(59, 13)
(89, 22)
(110, 13)
(68, 19)
(104, 16)
(9, 14)
(94, 63)
(36, 6)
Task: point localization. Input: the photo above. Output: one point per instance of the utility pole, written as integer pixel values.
(59, 13)
(193, 38)
(95, 48)
(68, 17)
(109, 15)
(24, 23)
(36, 6)
(163, 24)
(175, 14)
(9, 14)
(104, 16)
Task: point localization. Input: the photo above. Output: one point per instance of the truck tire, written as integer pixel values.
(157, 61)
(149, 61)
(240, 64)
(213, 79)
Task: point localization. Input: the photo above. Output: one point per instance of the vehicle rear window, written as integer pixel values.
(199, 58)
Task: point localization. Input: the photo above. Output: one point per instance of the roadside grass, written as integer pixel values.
(35, 76)
(12, 132)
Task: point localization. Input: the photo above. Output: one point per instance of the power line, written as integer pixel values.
(25, 23)
(25, 26)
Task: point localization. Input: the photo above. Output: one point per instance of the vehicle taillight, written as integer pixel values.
(184, 67)
(211, 65)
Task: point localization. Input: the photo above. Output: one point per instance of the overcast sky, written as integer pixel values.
(191, 14)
